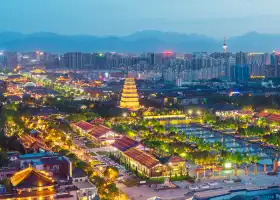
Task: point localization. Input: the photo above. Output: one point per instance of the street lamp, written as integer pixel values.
(228, 165)
(124, 114)
(190, 112)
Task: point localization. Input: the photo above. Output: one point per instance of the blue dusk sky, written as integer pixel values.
(215, 18)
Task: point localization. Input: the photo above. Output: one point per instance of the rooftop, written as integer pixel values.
(262, 114)
(142, 157)
(78, 173)
(171, 159)
(274, 117)
(125, 143)
(30, 142)
(29, 178)
(84, 185)
(36, 155)
(97, 121)
(99, 131)
(85, 126)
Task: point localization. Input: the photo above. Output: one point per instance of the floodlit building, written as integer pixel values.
(143, 162)
(135, 155)
(103, 135)
(129, 98)
(31, 184)
(82, 126)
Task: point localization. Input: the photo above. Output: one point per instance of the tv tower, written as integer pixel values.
(225, 45)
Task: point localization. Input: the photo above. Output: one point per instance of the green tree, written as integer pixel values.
(111, 174)
(3, 158)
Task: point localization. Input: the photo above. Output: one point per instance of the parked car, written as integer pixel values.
(228, 181)
(204, 186)
(186, 194)
(213, 183)
(193, 187)
(272, 173)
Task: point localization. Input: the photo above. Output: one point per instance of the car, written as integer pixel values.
(238, 180)
(193, 187)
(204, 186)
(186, 194)
(272, 173)
(228, 181)
(213, 183)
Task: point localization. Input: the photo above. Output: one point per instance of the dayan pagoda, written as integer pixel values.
(129, 98)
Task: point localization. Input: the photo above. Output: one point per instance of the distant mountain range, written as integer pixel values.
(144, 41)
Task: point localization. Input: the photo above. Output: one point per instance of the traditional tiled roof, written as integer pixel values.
(262, 114)
(175, 159)
(125, 143)
(171, 159)
(142, 158)
(274, 117)
(29, 178)
(33, 143)
(99, 131)
(85, 126)
(97, 121)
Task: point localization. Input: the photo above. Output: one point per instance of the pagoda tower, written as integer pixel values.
(129, 98)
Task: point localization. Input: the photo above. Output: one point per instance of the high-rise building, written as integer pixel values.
(240, 73)
(129, 98)
(241, 58)
(73, 60)
(257, 62)
(10, 59)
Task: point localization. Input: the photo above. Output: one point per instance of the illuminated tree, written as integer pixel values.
(111, 174)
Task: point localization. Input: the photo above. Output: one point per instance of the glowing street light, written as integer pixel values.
(190, 112)
(124, 114)
(198, 112)
(228, 165)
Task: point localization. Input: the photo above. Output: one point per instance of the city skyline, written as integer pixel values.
(125, 17)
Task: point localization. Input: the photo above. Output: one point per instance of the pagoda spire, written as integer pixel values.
(129, 98)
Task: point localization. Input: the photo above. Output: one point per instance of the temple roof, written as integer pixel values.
(125, 143)
(30, 142)
(30, 178)
(142, 158)
(262, 114)
(274, 117)
(171, 159)
(85, 126)
(97, 121)
(99, 131)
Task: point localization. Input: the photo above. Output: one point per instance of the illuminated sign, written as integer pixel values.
(257, 77)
